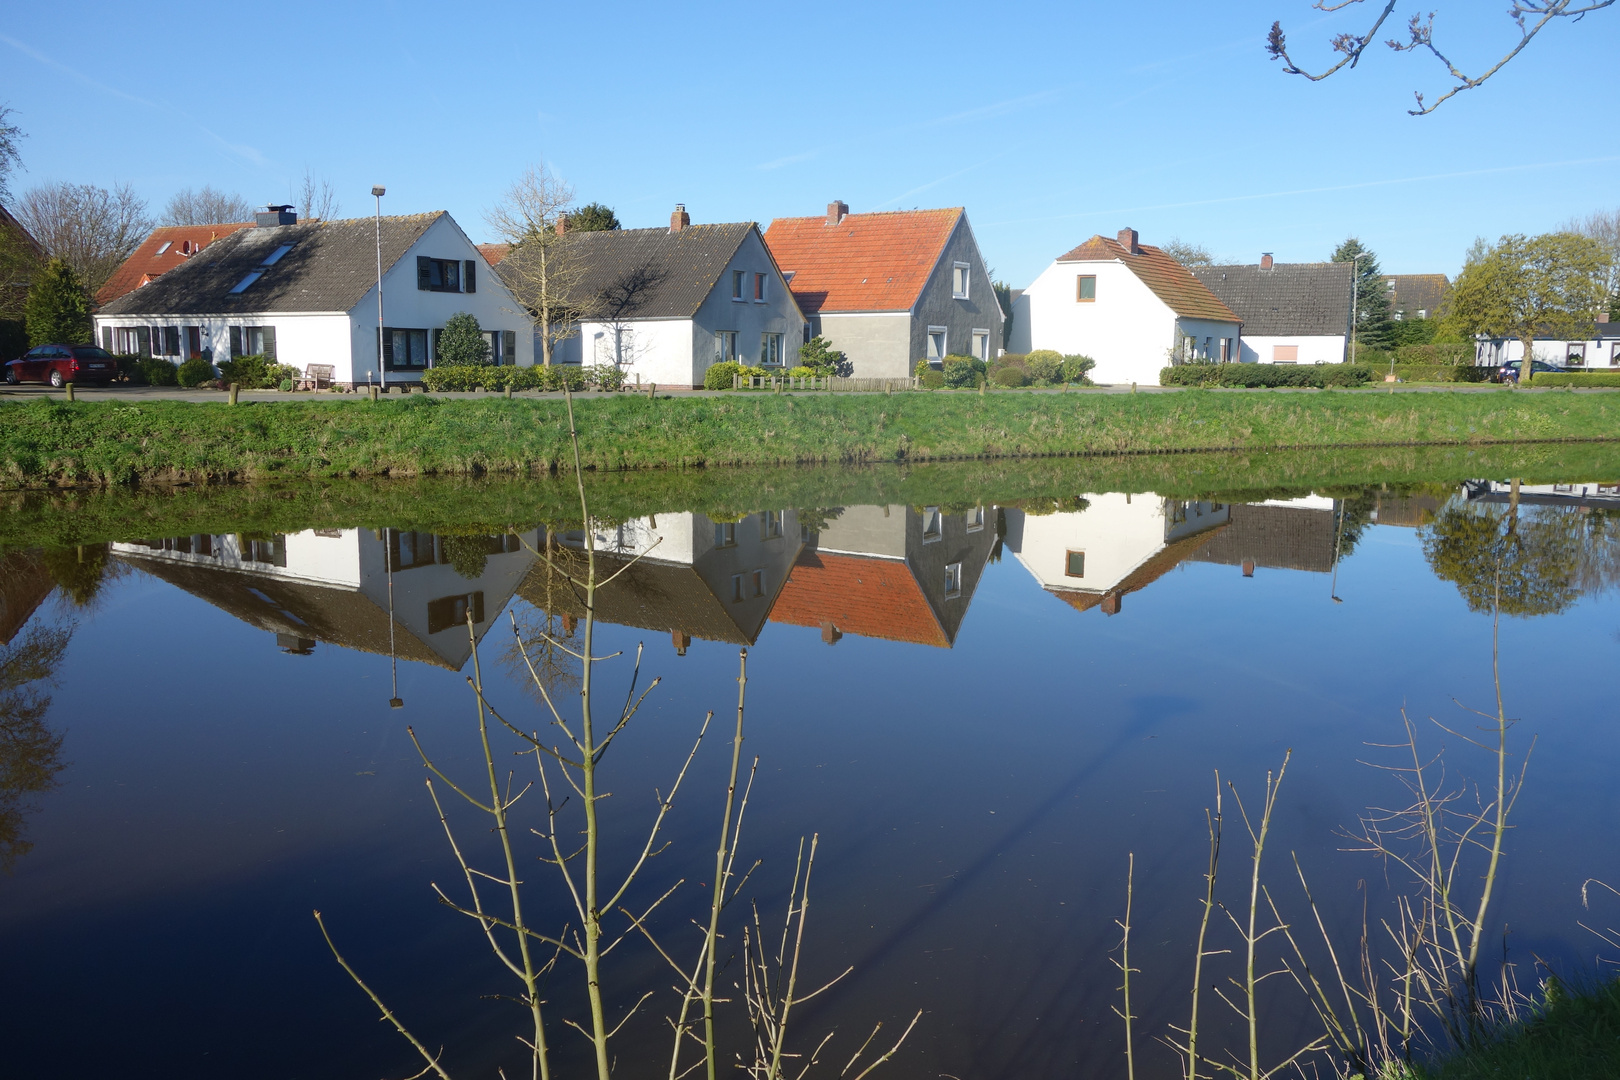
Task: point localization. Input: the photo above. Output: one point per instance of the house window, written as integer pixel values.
(1085, 288)
(438, 275)
(1614, 355)
(242, 286)
(1226, 349)
(981, 344)
(959, 281)
(759, 287)
(1285, 354)
(1575, 354)
(253, 341)
(933, 524)
(171, 340)
(1074, 564)
(757, 581)
(163, 247)
(404, 349)
(738, 595)
(132, 340)
(736, 284)
(953, 580)
(770, 350)
(974, 519)
(725, 534)
(275, 256)
(725, 345)
(936, 344)
(770, 525)
(449, 612)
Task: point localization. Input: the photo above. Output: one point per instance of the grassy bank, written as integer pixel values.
(49, 442)
(1573, 1036)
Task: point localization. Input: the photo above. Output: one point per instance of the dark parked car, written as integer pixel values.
(58, 364)
(1509, 372)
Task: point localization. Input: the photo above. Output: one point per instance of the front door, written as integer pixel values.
(193, 342)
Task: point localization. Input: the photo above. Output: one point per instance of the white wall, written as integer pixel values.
(653, 350)
(1601, 354)
(1117, 532)
(1327, 349)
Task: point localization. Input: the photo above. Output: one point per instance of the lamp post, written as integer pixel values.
(1355, 300)
(390, 545)
(378, 191)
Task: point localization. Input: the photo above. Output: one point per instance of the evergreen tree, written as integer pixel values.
(58, 309)
(461, 341)
(593, 217)
(1372, 296)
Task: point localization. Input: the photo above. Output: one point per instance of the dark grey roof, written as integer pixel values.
(649, 273)
(330, 267)
(1280, 537)
(1289, 299)
(1412, 293)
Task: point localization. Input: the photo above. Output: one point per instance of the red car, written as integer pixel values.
(58, 364)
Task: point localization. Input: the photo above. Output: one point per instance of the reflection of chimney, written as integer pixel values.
(1110, 604)
(680, 219)
(837, 211)
(830, 633)
(569, 624)
(1248, 568)
(681, 640)
(1127, 240)
(1265, 260)
(297, 646)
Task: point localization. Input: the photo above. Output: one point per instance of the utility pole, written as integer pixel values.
(378, 191)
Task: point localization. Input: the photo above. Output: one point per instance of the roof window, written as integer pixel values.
(164, 247)
(275, 256)
(241, 286)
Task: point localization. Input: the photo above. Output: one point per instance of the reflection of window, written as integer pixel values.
(770, 524)
(959, 281)
(953, 580)
(933, 524)
(725, 534)
(1085, 288)
(450, 611)
(975, 519)
(738, 595)
(1074, 564)
(408, 549)
(757, 580)
(272, 552)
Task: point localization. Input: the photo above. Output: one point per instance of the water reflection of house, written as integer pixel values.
(684, 574)
(1296, 534)
(338, 586)
(1119, 544)
(1588, 494)
(893, 572)
(1406, 511)
(24, 585)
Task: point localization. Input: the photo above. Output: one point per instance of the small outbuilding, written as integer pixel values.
(1293, 313)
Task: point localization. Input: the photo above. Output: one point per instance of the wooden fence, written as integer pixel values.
(827, 382)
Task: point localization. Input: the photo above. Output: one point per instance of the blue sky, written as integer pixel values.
(1049, 122)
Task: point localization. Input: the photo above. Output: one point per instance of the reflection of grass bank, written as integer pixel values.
(1574, 1036)
(50, 442)
(450, 505)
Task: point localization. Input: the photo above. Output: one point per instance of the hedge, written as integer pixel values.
(1442, 373)
(466, 377)
(1266, 375)
(1582, 378)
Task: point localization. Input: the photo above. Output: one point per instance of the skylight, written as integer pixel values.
(241, 286)
(276, 255)
(166, 245)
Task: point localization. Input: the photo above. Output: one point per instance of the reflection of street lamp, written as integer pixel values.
(378, 191)
(1338, 532)
(395, 702)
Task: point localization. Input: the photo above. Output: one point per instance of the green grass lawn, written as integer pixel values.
(1574, 1036)
(50, 442)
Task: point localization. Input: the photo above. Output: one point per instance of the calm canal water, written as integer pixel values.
(983, 711)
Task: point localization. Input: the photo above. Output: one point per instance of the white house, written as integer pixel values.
(889, 289)
(1128, 306)
(1600, 352)
(1293, 313)
(1119, 544)
(664, 304)
(306, 293)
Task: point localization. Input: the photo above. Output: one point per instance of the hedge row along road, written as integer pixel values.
(50, 442)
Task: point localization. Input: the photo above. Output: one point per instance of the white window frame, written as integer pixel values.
(770, 350)
(933, 525)
(975, 519)
(953, 580)
(725, 346)
(981, 345)
(938, 357)
(961, 280)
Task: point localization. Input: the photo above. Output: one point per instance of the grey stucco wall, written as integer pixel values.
(938, 307)
(747, 317)
(879, 346)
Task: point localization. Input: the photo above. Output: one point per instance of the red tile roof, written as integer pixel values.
(875, 598)
(1169, 280)
(493, 253)
(145, 263)
(867, 262)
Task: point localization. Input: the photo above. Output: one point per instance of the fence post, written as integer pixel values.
(234, 389)
(69, 388)
(652, 390)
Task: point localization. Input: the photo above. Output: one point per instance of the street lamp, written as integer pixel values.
(378, 191)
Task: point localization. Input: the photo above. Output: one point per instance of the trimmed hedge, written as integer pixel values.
(461, 378)
(1583, 378)
(1266, 375)
(1460, 352)
(1442, 373)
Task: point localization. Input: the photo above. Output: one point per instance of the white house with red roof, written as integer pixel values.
(890, 289)
(1128, 306)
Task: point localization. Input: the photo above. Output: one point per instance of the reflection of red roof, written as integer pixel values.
(858, 594)
(867, 262)
(1169, 280)
(494, 253)
(144, 263)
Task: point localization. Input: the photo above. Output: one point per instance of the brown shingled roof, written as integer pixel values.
(169, 246)
(1170, 281)
(867, 262)
(493, 253)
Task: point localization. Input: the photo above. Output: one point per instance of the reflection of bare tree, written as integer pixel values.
(545, 631)
(30, 754)
(1537, 560)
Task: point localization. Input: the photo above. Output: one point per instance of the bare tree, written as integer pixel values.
(206, 206)
(10, 153)
(1604, 227)
(1186, 252)
(317, 199)
(91, 229)
(1530, 16)
(539, 269)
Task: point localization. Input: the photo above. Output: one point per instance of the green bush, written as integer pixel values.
(802, 372)
(1266, 375)
(720, 375)
(463, 378)
(462, 342)
(1040, 357)
(1440, 373)
(1044, 366)
(250, 372)
(931, 378)
(284, 385)
(819, 355)
(962, 371)
(1076, 367)
(194, 372)
(604, 377)
(1576, 378)
(1009, 376)
(1435, 353)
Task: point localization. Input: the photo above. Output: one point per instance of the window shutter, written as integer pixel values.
(424, 278)
(469, 279)
(143, 340)
(236, 341)
(269, 343)
(508, 346)
(388, 348)
(106, 338)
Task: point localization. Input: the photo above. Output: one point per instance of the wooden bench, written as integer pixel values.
(315, 374)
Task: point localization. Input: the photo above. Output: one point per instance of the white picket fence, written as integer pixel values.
(826, 382)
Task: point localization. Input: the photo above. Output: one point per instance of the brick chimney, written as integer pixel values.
(1110, 601)
(561, 225)
(1265, 260)
(680, 219)
(837, 211)
(1127, 240)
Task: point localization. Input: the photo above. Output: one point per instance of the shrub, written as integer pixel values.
(194, 372)
(1009, 376)
(466, 377)
(1436, 353)
(719, 376)
(931, 378)
(962, 371)
(1442, 373)
(1076, 367)
(604, 377)
(818, 354)
(802, 372)
(285, 385)
(57, 308)
(1266, 375)
(1045, 366)
(1041, 357)
(250, 372)
(1575, 378)
(462, 342)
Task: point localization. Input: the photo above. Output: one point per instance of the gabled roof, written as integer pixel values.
(1150, 570)
(871, 597)
(643, 593)
(330, 267)
(1170, 281)
(867, 262)
(1305, 299)
(493, 253)
(1278, 537)
(1417, 292)
(168, 247)
(674, 271)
